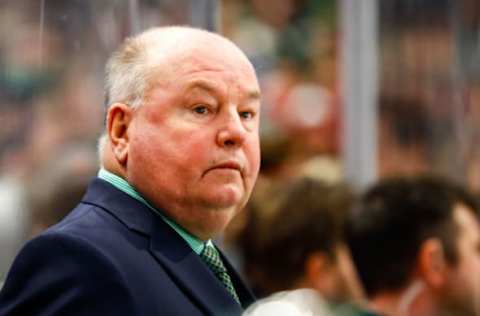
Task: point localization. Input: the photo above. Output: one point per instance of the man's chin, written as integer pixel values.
(228, 197)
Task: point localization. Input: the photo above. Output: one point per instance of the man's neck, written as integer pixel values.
(385, 304)
(412, 301)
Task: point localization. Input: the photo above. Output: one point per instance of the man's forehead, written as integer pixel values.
(190, 73)
(203, 83)
(198, 53)
(201, 60)
(200, 67)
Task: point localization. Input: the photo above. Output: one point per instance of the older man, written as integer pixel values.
(180, 156)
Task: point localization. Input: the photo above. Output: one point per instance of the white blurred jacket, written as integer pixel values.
(303, 302)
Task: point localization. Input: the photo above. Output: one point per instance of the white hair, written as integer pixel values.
(101, 143)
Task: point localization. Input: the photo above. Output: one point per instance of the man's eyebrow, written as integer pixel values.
(254, 95)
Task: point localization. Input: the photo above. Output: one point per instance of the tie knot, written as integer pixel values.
(212, 258)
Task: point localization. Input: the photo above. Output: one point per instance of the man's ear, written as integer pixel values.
(317, 266)
(119, 117)
(432, 263)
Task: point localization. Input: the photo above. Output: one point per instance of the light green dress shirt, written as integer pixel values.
(196, 244)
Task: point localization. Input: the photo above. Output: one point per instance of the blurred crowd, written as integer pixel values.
(52, 56)
(407, 246)
(304, 223)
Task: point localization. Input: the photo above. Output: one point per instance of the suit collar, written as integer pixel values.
(131, 212)
(170, 250)
(122, 184)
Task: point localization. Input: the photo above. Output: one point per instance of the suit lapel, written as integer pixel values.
(190, 273)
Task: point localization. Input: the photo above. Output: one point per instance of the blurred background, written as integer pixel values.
(352, 91)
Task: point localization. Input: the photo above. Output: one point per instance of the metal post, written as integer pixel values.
(134, 17)
(205, 14)
(359, 89)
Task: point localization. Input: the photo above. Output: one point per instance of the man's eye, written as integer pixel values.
(200, 109)
(247, 115)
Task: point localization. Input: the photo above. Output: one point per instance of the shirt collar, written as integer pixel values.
(196, 244)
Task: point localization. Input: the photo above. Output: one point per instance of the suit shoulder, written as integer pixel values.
(57, 272)
(82, 215)
(87, 223)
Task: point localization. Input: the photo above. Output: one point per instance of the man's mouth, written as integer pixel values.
(227, 165)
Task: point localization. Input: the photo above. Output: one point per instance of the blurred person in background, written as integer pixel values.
(405, 136)
(180, 156)
(53, 191)
(48, 103)
(58, 185)
(294, 243)
(415, 243)
(20, 81)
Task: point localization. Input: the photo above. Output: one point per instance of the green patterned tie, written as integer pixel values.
(212, 259)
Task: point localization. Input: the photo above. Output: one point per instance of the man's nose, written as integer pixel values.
(232, 133)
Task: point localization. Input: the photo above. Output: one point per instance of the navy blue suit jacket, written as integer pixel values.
(113, 256)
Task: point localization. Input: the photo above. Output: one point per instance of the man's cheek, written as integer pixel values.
(253, 155)
(198, 156)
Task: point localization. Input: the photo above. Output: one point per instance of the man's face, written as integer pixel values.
(464, 278)
(194, 145)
